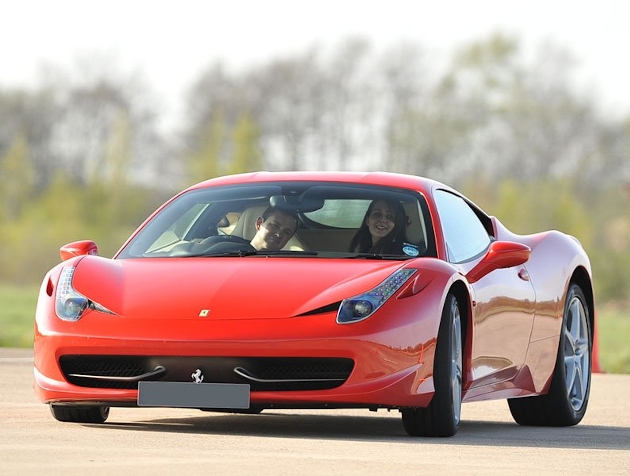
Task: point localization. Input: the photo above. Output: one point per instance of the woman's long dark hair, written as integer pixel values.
(391, 243)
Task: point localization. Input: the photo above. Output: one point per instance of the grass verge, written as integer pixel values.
(17, 315)
(613, 325)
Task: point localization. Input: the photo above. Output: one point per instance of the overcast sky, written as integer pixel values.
(172, 42)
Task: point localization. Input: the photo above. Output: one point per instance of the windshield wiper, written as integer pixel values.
(377, 256)
(286, 253)
(247, 252)
(365, 256)
(239, 253)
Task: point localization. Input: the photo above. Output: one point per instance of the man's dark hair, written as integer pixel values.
(271, 210)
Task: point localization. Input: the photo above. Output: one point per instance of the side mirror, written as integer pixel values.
(500, 255)
(78, 248)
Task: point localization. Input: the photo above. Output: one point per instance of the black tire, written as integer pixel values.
(565, 403)
(79, 413)
(441, 417)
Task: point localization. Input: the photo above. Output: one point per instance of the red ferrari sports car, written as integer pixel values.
(320, 290)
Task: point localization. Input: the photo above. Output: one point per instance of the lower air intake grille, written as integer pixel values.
(262, 373)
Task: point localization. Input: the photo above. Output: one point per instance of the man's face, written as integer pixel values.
(274, 232)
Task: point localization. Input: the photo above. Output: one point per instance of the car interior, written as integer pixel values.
(323, 238)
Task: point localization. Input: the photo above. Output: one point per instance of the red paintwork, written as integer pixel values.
(513, 319)
(78, 248)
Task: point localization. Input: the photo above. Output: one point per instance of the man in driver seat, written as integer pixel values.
(275, 229)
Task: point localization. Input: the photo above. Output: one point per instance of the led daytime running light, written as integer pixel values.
(364, 305)
(70, 304)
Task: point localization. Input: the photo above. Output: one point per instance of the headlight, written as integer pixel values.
(364, 305)
(70, 304)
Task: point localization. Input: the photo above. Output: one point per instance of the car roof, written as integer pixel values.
(411, 182)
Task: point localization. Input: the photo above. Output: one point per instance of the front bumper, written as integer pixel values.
(367, 370)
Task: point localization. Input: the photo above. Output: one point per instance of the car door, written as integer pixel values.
(503, 300)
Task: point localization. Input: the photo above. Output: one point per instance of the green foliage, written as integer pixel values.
(490, 59)
(205, 162)
(247, 156)
(226, 149)
(65, 212)
(611, 270)
(529, 207)
(614, 331)
(16, 178)
(17, 315)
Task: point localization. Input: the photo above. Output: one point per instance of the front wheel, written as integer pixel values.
(441, 417)
(565, 403)
(79, 413)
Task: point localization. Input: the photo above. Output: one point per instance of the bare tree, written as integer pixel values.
(288, 107)
(30, 116)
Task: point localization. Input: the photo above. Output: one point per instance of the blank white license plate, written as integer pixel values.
(193, 395)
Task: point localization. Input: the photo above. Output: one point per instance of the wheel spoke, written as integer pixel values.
(576, 353)
(577, 390)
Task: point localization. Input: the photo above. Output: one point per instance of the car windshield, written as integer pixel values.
(301, 219)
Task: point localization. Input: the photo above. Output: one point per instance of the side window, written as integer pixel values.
(179, 228)
(465, 235)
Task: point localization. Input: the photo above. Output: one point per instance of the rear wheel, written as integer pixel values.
(79, 413)
(565, 403)
(441, 417)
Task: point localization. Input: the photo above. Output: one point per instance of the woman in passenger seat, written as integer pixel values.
(382, 230)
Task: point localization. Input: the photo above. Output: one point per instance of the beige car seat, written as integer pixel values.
(416, 231)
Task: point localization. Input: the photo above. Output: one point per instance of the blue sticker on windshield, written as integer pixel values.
(410, 250)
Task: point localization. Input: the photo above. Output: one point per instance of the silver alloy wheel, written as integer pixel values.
(577, 360)
(456, 363)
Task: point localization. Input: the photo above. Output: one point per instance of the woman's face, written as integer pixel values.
(381, 220)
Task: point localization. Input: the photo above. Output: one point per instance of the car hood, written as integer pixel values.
(225, 288)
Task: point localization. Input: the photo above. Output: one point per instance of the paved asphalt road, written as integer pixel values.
(344, 442)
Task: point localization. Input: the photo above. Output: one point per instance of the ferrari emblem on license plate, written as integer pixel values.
(197, 376)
